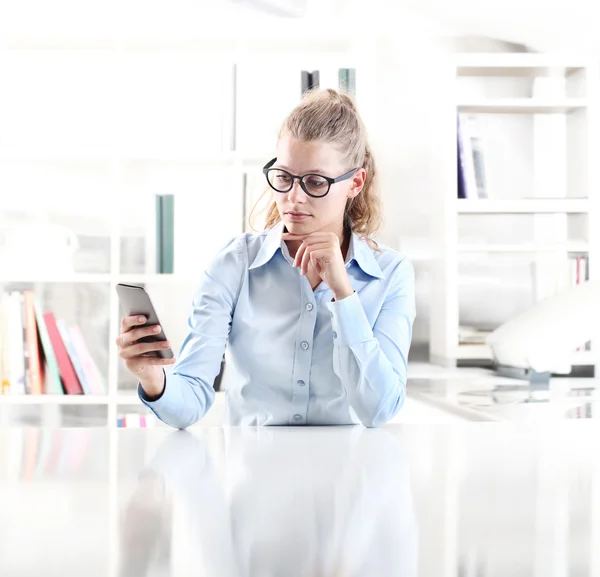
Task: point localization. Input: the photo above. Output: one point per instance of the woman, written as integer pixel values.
(317, 317)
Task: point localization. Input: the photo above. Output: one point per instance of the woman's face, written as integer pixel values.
(301, 213)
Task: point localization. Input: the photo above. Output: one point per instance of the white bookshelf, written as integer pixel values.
(478, 85)
(578, 247)
(521, 106)
(523, 206)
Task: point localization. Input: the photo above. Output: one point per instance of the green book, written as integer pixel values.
(158, 237)
(168, 233)
(53, 382)
(343, 79)
(351, 74)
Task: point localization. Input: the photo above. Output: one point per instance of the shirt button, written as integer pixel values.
(331, 314)
(304, 345)
(301, 383)
(334, 335)
(309, 307)
(298, 417)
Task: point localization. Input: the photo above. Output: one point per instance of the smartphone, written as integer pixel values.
(136, 301)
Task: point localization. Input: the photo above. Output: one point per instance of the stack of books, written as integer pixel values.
(41, 354)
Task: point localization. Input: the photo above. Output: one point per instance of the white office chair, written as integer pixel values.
(542, 340)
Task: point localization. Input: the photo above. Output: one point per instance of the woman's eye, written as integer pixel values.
(283, 178)
(316, 182)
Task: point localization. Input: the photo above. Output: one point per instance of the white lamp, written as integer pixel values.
(544, 338)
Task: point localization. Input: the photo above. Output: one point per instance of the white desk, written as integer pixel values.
(473, 499)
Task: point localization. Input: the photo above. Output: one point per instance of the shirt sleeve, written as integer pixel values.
(371, 361)
(188, 393)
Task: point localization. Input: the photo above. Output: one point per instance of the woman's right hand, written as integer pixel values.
(139, 357)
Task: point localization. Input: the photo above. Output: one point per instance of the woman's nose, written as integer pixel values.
(297, 193)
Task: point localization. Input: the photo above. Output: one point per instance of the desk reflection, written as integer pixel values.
(332, 502)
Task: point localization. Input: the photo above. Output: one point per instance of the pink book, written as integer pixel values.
(88, 365)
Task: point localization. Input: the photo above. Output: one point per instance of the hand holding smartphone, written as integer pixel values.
(136, 302)
(142, 342)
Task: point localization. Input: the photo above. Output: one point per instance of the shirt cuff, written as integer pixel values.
(349, 321)
(165, 399)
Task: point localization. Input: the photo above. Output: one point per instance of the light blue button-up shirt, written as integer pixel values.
(295, 356)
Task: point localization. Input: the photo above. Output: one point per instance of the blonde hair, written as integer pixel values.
(331, 116)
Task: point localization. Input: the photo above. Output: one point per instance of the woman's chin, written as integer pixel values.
(301, 227)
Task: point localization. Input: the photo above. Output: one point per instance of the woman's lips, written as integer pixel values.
(297, 216)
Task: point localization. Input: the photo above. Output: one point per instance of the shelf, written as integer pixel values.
(495, 64)
(484, 352)
(142, 278)
(474, 352)
(53, 400)
(523, 206)
(128, 398)
(101, 278)
(521, 106)
(524, 248)
(58, 278)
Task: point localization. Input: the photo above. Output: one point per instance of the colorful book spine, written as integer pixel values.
(67, 372)
(63, 329)
(53, 382)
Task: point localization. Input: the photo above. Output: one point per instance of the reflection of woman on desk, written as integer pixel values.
(336, 503)
(318, 318)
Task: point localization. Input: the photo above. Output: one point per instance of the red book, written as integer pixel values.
(69, 378)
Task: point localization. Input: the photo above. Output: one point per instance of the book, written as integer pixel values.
(17, 344)
(53, 382)
(158, 232)
(478, 157)
(63, 329)
(5, 368)
(471, 153)
(352, 81)
(88, 365)
(167, 233)
(23, 338)
(309, 80)
(68, 375)
(35, 371)
(347, 80)
(461, 184)
(304, 81)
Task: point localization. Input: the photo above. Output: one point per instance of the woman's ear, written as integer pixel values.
(357, 183)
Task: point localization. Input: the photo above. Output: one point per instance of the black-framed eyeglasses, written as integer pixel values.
(315, 185)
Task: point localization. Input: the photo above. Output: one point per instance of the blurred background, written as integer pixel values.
(132, 136)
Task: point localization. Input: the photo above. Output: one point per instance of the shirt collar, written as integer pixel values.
(359, 251)
(363, 255)
(269, 247)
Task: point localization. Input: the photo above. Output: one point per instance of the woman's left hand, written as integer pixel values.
(323, 251)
